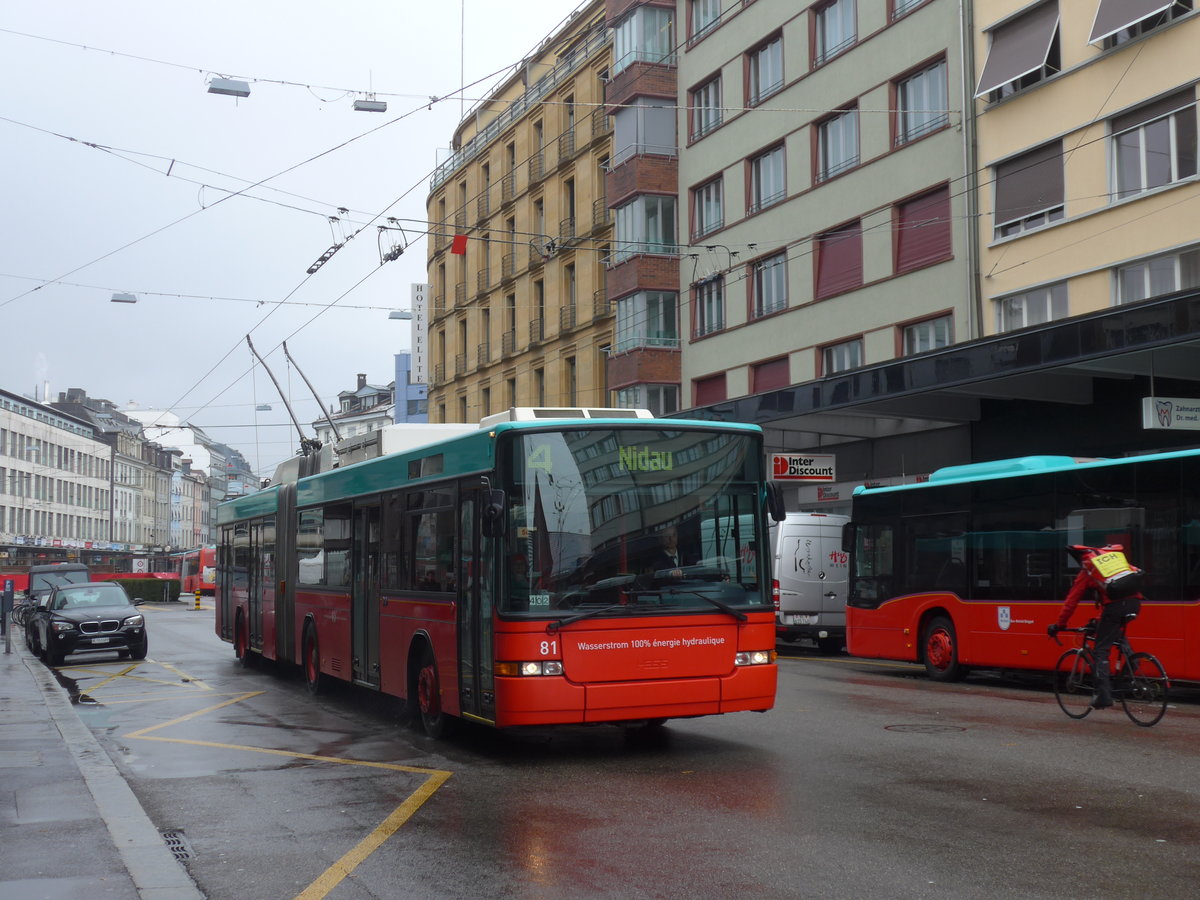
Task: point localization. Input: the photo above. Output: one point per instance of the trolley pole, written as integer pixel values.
(197, 606)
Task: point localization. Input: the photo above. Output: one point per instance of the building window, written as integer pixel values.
(706, 108)
(645, 35)
(932, 334)
(708, 212)
(923, 234)
(839, 260)
(770, 376)
(645, 225)
(1023, 51)
(841, 357)
(770, 285)
(1036, 307)
(660, 399)
(708, 305)
(705, 15)
(921, 103)
(764, 71)
(710, 390)
(1155, 145)
(767, 184)
(1029, 190)
(1118, 21)
(834, 29)
(1158, 276)
(647, 319)
(837, 144)
(643, 127)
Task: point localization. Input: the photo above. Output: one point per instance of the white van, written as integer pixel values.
(811, 575)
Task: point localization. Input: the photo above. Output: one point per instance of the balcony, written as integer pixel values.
(566, 230)
(536, 260)
(483, 205)
(508, 343)
(537, 167)
(483, 281)
(508, 266)
(566, 146)
(439, 373)
(601, 123)
(460, 364)
(508, 188)
(566, 317)
(601, 214)
(460, 220)
(483, 354)
(601, 305)
(460, 295)
(537, 330)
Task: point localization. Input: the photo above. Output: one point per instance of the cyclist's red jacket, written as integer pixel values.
(1080, 586)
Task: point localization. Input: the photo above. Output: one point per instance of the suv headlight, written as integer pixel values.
(134, 620)
(59, 625)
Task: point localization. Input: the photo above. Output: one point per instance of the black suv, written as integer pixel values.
(80, 618)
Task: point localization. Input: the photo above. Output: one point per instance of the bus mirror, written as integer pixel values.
(847, 537)
(493, 514)
(775, 502)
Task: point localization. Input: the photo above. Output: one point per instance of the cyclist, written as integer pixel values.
(1105, 576)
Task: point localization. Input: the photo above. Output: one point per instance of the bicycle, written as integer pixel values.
(1138, 679)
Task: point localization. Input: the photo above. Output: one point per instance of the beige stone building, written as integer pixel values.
(519, 234)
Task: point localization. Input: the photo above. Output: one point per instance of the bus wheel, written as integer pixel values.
(429, 697)
(940, 651)
(314, 679)
(241, 644)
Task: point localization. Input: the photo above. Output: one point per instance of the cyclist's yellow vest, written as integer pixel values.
(1115, 575)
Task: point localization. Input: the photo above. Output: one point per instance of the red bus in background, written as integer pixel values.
(968, 568)
(197, 569)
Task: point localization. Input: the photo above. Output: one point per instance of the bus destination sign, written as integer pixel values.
(794, 467)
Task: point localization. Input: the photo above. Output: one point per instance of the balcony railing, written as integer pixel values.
(483, 205)
(537, 330)
(601, 306)
(439, 373)
(460, 295)
(508, 187)
(483, 281)
(508, 343)
(537, 167)
(566, 229)
(460, 219)
(601, 123)
(483, 354)
(566, 145)
(601, 214)
(460, 364)
(566, 317)
(536, 260)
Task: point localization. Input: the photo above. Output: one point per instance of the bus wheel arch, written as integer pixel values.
(940, 647)
(241, 641)
(425, 689)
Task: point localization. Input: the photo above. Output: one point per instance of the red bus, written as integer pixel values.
(197, 569)
(511, 575)
(969, 568)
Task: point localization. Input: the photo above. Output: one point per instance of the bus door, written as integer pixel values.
(255, 594)
(364, 603)
(476, 578)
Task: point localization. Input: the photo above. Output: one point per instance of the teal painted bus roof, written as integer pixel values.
(1019, 467)
(260, 503)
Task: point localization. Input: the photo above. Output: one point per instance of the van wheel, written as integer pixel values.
(939, 648)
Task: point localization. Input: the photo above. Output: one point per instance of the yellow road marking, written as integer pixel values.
(343, 867)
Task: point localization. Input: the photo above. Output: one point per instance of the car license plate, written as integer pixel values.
(101, 640)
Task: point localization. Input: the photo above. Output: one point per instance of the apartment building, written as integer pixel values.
(519, 231)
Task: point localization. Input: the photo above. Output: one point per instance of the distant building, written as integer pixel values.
(412, 403)
(367, 408)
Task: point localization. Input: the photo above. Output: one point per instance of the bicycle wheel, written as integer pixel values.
(1143, 686)
(1073, 685)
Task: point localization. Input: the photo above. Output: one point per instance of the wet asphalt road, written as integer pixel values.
(866, 781)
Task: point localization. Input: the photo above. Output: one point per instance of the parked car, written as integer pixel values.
(87, 618)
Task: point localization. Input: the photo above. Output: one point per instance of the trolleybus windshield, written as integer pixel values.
(633, 521)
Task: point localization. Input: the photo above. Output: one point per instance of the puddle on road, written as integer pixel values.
(78, 697)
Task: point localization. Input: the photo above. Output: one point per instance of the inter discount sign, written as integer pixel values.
(789, 467)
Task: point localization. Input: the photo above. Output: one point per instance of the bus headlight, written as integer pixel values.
(539, 667)
(754, 658)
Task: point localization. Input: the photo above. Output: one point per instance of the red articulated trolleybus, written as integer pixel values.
(969, 568)
(513, 573)
(197, 569)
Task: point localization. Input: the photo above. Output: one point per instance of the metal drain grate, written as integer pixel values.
(178, 845)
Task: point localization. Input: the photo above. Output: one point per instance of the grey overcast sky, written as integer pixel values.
(119, 172)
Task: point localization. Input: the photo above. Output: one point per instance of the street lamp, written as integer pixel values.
(400, 314)
(124, 297)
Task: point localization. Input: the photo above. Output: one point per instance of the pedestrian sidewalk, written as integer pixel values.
(70, 827)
